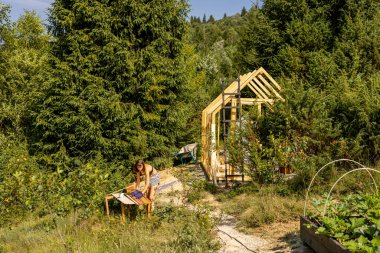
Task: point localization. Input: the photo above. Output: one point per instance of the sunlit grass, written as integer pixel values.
(173, 229)
(263, 206)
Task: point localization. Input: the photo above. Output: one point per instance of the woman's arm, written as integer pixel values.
(147, 179)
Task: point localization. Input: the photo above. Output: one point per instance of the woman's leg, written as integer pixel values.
(152, 194)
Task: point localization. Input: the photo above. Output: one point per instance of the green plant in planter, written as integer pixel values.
(354, 221)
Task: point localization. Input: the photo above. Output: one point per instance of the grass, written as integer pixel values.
(256, 205)
(172, 229)
(263, 205)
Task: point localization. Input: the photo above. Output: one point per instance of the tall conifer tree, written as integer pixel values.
(117, 79)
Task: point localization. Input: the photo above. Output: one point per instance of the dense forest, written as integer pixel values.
(104, 83)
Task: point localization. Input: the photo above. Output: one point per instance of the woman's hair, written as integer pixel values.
(138, 162)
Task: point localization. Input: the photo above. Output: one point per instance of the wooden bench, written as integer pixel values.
(125, 198)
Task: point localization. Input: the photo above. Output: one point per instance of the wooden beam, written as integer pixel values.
(271, 79)
(254, 91)
(258, 90)
(262, 86)
(233, 113)
(270, 87)
(253, 101)
(216, 104)
(259, 109)
(212, 146)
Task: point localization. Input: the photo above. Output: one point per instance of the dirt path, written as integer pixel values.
(280, 237)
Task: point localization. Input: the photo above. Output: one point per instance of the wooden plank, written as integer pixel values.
(122, 213)
(253, 101)
(254, 91)
(145, 200)
(204, 137)
(233, 114)
(107, 207)
(149, 210)
(270, 78)
(213, 140)
(271, 88)
(262, 86)
(319, 243)
(216, 104)
(267, 101)
(258, 90)
(124, 198)
(218, 134)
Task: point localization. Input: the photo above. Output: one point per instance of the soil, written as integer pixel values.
(277, 237)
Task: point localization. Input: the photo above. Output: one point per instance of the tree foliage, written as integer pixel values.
(23, 55)
(117, 78)
(325, 53)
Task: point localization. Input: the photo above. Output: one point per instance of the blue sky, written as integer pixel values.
(198, 8)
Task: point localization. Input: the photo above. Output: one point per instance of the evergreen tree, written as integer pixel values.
(204, 20)
(117, 80)
(325, 48)
(211, 19)
(243, 11)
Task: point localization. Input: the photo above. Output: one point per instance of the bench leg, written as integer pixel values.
(122, 213)
(148, 209)
(107, 208)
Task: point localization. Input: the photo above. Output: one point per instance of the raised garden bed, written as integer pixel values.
(319, 243)
(349, 223)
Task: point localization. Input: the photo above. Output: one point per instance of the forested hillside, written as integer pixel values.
(104, 83)
(326, 55)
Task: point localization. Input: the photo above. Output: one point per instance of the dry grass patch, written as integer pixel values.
(263, 207)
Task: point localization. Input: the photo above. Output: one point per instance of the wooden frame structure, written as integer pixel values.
(266, 90)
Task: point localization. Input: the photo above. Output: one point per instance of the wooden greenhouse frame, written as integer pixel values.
(266, 91)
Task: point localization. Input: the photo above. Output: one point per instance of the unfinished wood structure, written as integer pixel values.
(266, 91)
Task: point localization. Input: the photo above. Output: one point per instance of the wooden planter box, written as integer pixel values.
(319, 243)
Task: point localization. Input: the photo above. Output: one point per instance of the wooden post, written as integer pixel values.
(107, 207)
(233, 114)
(258, 109)
(122, 213)
(218, 135)
(148, 209)
(213, 141)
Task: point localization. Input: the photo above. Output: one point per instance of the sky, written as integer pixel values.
(198, 8)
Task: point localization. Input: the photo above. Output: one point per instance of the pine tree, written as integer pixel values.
(211, 19)
(117, 79)
(243, 11)
(204, 20)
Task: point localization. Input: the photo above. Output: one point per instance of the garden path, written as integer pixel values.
(280, 237)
